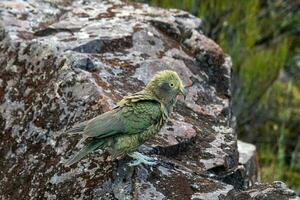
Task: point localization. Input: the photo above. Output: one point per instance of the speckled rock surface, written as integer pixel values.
(249, 161)
(64, 61)
(273, 191)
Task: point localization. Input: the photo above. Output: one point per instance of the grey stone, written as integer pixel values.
(248, 159)
(276, 190)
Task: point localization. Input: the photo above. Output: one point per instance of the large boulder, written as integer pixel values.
(64, 61)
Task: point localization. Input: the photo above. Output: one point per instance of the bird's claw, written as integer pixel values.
(137, 162)
(141, 159)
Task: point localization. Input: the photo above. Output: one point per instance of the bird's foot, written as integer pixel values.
(140, 158)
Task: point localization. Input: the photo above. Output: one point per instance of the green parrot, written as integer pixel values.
(136, 119)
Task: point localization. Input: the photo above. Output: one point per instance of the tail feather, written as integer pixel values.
(91, 146)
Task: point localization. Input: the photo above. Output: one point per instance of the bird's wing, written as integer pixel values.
(78, 128)
(104, 125)
(139, 116)
(132, 117)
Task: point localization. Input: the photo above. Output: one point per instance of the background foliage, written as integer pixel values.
(262, 37)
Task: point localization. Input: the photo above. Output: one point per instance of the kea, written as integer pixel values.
(135, 120)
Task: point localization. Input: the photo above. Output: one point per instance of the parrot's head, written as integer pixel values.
(166, 86)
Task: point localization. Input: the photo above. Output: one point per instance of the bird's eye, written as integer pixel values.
(172, 84)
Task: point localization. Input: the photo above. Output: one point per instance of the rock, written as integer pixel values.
(66, 61)
(275, 190)
(245, 174)
(248, 159)
(85, 63)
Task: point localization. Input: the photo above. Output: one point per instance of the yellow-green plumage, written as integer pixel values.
(136, 119)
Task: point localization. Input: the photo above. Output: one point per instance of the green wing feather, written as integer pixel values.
(78, 128)
(139, 116)
(104, 125)
(130, 118)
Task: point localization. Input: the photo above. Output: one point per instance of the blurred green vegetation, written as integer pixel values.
(262, 37)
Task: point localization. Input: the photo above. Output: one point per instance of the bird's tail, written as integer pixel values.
(91, 146)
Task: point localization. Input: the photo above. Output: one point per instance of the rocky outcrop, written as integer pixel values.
(276, 190)
(65, 61)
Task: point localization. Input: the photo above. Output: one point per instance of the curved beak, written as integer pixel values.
(182, 91)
